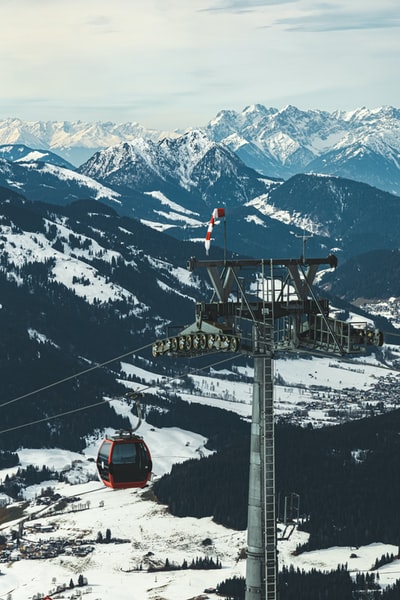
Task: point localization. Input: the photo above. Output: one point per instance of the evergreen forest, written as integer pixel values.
(296, 584)
(346, 477)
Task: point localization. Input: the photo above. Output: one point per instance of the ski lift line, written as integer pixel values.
(387, 572)
(391, 333)
(50, 385)
(87, 406)
(192, 371)
(45, 419)
(169, 456)
(179, 376)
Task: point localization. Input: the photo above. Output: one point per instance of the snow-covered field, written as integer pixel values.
(113, 570)
(119, 570)
(310, 385)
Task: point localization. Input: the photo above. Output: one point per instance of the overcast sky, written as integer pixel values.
(175, 63)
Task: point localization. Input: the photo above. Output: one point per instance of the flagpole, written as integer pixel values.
(224, 238)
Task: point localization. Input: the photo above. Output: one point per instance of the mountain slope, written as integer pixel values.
(21, 153)
(48, 182)
(190, 163)
(379, 167)
(352, 217)
(79, 286)
(372, 276)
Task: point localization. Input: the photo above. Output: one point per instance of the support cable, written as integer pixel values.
(59, 381)
(87, 406)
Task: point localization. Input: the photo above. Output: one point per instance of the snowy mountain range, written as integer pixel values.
(174, 184)
(76, 141)
(362, 144)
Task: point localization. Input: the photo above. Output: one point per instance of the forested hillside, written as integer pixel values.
(373, 275)
(344, 476)
(79, 286)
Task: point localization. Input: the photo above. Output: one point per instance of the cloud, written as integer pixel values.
(336, 17)
(241, 6)
(168, 61)
(101, 25)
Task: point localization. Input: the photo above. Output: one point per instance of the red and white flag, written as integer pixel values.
(216, 214)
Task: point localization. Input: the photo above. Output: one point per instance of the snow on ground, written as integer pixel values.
(152, 534)
(309, 383)
(156, 225)
(333, 372)
(113, 570)
(168, 446)
(173, 205)
(70, 266)
(119, 570)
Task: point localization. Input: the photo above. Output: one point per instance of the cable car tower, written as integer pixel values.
(259, 307)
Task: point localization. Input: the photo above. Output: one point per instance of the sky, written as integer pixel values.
(173, 64)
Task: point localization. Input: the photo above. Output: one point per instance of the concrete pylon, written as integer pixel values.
(261, 565)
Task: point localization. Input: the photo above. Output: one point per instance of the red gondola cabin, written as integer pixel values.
(124, 461)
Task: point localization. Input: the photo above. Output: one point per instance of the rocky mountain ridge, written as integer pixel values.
(278, 143)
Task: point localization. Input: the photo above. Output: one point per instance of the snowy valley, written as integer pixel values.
(143, 535)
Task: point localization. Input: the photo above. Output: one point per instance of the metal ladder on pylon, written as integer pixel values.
(268, 442)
